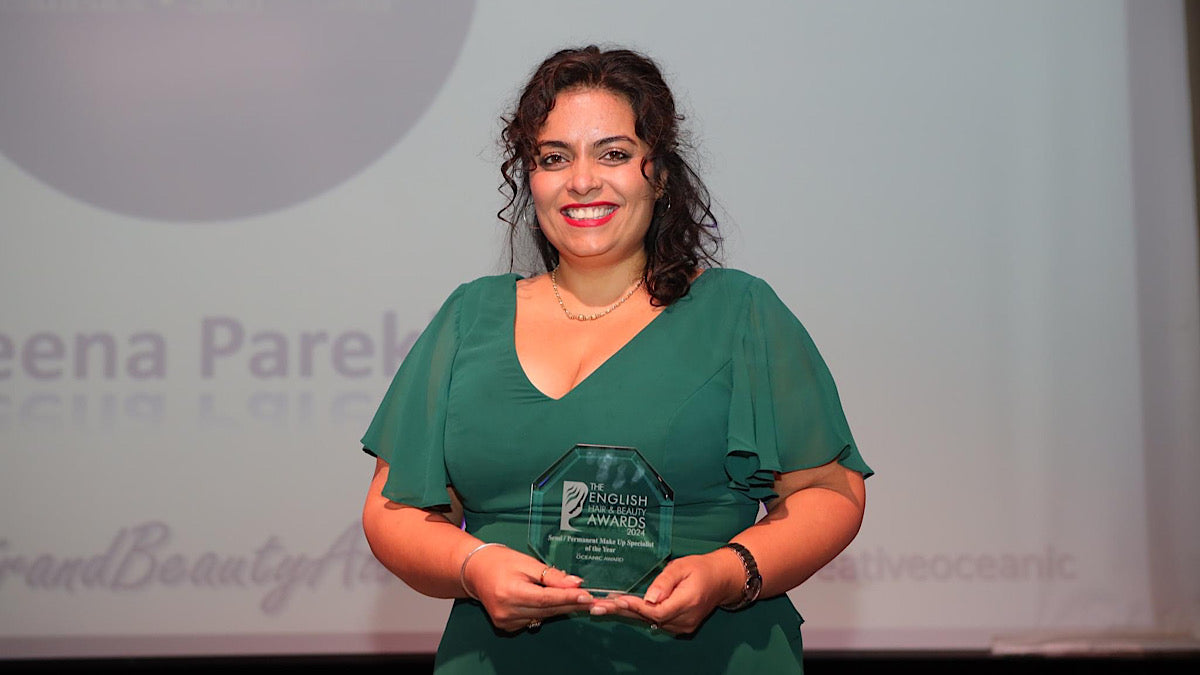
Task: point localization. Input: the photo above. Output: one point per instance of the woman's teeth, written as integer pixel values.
(589, 212)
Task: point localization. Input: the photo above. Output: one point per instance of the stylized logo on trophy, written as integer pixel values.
(604, 514)
(574, 494)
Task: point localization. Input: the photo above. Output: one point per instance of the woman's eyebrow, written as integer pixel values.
(603, 141)
(613, 139)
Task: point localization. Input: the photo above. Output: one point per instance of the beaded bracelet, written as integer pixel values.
(462, 571)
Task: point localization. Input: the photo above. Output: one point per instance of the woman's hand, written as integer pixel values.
(815, 516)
(519, 591)
(426, 548)
(683, 595)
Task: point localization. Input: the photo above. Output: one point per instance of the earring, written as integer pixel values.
(525, 222)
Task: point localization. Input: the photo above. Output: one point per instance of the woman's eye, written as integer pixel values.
(616, 155)
(550, 161)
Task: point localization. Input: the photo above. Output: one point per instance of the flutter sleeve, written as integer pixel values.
(408, 430)
(785, 413)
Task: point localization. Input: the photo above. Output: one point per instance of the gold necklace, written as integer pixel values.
(589, 317)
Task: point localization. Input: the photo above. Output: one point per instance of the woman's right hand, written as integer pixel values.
(426, 548)
(518, 590)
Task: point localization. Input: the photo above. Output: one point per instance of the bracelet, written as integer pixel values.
(462, 571)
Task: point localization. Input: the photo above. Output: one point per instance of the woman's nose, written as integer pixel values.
(584, 178)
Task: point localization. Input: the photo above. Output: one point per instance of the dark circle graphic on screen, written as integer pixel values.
(192, 110)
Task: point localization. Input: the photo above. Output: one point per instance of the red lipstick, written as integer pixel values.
(589, 222)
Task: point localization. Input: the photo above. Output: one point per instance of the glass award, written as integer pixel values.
(604, 514)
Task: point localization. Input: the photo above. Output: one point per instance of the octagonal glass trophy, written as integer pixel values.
(602, 513)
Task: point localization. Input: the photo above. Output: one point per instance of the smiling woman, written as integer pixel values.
(629, 337)
(593, 200)
(644, 133)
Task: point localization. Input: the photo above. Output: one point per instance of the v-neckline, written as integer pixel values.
(637, 337)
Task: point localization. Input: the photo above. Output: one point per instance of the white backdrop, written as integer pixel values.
(223, 221)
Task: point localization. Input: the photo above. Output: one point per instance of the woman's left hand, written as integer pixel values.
(683, 595)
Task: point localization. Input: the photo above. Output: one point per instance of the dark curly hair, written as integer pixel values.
(683, 235)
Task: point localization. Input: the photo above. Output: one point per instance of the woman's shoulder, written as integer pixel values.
(469, 296)
(492, 281)
(728, 275)
(486, 287)
(728, 280)
(736, 293)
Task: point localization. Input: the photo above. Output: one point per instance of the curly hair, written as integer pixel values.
(683, 236)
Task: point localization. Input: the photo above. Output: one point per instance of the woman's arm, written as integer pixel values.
(426, 549)
(816, 515)
(428, 560)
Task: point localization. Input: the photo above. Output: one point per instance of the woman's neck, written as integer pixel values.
(599, 285)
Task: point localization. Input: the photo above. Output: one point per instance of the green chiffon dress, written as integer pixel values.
(721, 390)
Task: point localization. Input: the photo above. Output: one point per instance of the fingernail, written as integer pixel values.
(584, 598)
(598, 610)
(651, 597)
(574, 579)
(621, 603)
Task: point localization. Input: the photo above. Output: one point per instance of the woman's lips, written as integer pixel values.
(588, 215)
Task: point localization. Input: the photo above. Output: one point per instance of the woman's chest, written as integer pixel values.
(670, 400)
(556, 354)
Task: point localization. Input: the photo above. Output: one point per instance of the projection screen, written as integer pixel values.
(223, 222)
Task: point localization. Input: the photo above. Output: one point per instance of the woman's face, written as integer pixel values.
(592, 201)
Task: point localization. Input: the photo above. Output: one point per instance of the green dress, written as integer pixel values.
(719, 391)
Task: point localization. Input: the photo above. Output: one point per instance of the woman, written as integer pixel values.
(631, 337)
